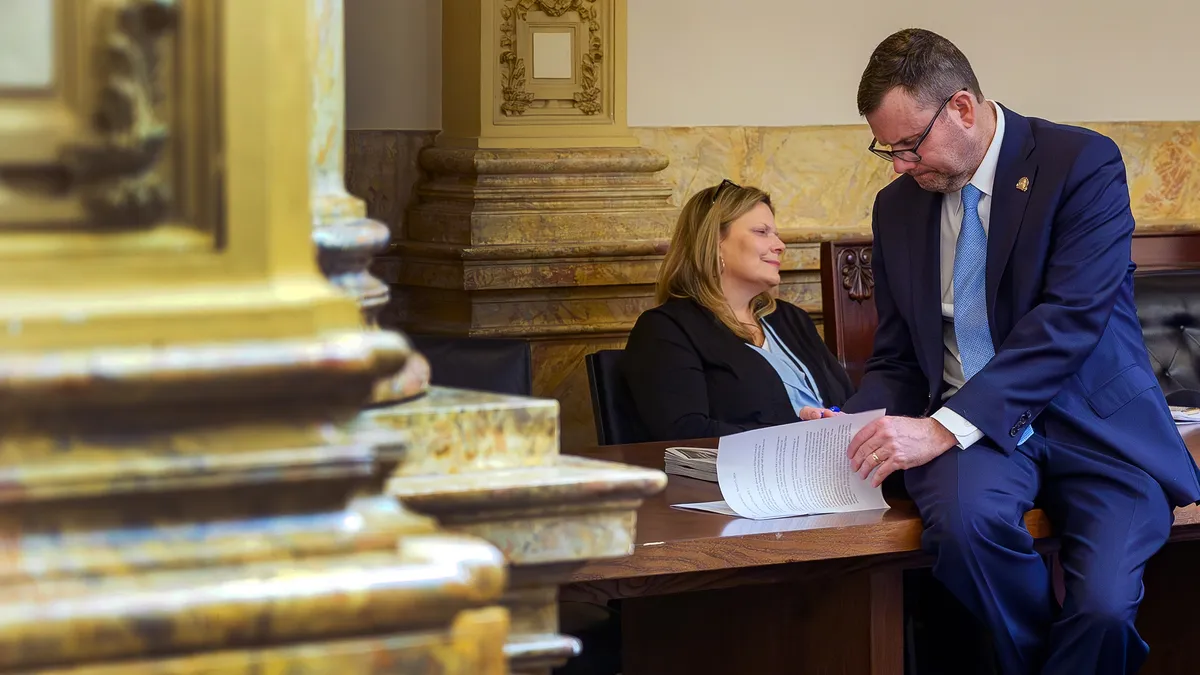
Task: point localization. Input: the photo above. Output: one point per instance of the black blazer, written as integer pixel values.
(691, 377)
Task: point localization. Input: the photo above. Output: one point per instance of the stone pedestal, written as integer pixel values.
(557, 246)
(533, 243)
(488, 465)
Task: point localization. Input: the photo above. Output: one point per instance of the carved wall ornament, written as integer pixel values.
(587, 99)
(556, 8)
(117, 170)
(857, 277)
(513, 76)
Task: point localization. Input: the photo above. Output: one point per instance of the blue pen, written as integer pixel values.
(836, 409)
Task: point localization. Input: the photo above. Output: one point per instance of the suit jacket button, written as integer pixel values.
(1012, 431)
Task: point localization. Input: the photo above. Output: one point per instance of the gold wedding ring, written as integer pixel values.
(875, 458)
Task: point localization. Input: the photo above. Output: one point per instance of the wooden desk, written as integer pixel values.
(823, 591)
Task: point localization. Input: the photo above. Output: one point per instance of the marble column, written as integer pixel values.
(489, 465)
(346, 239)
(539, 216)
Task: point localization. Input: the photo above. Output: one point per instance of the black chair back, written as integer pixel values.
(498, 365)
(617, 421)
(1168, 306)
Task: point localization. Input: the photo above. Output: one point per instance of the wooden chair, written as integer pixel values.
(848, 300)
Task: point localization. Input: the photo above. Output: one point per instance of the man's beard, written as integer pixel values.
(961, 153)
(941, 182)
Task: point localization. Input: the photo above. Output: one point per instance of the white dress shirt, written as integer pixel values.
(952, 214)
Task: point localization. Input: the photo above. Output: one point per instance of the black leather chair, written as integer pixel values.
(498, 365)
(599, 626)
(1168, 305)
(617, 421)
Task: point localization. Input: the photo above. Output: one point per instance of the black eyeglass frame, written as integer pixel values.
(911, 154)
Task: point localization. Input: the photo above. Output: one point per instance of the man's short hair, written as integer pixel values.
(924, 64)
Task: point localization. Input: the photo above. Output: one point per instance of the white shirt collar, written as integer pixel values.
(985, 175)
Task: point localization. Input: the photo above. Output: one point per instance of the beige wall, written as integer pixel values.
(26, 43)
(394, 64)
(797, 62)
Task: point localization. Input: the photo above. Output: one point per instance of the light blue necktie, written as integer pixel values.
(970, 292)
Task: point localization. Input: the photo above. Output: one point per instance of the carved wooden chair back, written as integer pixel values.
(848, 301)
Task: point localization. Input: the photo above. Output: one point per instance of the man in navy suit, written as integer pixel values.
(1011, 361)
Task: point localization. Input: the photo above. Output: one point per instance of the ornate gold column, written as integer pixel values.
(540, 216)
(185, 484)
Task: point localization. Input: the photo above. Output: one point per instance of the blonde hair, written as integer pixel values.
(692, 268)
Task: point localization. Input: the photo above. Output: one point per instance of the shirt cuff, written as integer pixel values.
(966, 433)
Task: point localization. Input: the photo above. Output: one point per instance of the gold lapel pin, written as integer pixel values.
(1023, 184)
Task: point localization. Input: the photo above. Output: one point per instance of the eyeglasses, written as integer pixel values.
(911, 154)
(721, 187)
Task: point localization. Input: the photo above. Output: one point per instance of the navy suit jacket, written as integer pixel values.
(1070, 358)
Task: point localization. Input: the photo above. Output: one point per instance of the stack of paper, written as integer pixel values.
(1183, 415)
(698, 463)
(788, 470)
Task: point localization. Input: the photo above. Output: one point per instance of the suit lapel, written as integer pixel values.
(926, 258)
(1016, 167)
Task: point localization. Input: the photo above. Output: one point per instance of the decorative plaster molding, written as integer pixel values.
(513, 77)
(118, 170)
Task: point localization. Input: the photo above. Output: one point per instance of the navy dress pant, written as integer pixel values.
(1111, 518)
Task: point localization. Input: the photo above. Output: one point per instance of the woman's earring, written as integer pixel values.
(721, 261)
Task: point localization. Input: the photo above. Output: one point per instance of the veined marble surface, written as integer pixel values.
(330, 200)
(458, 431)
(821, 178)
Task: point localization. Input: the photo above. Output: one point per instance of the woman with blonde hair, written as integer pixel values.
(720, 354)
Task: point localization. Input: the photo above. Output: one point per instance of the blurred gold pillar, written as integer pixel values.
(187, 486)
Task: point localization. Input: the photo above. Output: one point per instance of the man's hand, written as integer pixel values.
(810, 413)
(892, 443)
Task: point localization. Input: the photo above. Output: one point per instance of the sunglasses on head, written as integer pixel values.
(720, 187)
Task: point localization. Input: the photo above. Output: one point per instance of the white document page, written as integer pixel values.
(1184, 415)
(792, 470)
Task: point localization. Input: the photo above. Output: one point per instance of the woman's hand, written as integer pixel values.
(810, 413)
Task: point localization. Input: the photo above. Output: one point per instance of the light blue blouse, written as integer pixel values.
(801, 388)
